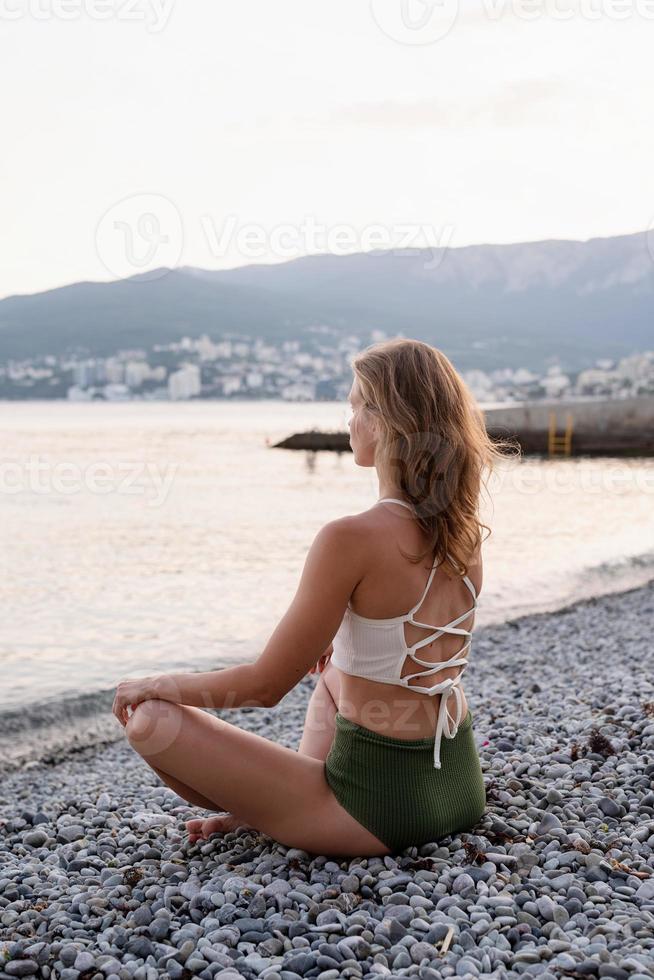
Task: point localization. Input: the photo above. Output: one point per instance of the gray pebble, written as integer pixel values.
(21, 968)
(36, 838)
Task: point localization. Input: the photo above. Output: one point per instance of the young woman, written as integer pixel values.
(385, 607)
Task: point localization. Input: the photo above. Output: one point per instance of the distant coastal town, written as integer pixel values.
(312, 369)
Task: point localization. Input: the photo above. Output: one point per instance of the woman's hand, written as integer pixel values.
(324, 660)
(132, 692)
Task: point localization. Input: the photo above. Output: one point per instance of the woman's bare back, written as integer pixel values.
(390, 588)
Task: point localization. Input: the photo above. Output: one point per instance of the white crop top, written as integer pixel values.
(377, 649)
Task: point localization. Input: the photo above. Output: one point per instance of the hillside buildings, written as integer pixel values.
(316, 368)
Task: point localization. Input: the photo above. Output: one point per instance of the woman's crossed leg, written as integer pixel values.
(264, 785)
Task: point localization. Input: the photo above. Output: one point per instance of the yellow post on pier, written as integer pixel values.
(561, 445)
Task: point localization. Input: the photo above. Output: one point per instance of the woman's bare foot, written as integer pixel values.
(201, 828)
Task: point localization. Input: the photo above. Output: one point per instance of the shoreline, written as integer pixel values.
(557, 879)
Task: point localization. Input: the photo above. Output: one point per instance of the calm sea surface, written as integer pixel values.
(139, 538)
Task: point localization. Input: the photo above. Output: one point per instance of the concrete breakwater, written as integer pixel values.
(596, 427)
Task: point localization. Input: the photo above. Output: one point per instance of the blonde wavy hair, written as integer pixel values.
(432, 443)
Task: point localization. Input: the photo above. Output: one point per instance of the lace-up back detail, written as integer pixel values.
(376, 649)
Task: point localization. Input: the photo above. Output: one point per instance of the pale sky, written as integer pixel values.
(313, 125)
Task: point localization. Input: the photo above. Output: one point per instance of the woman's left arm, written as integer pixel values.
(229, 687)
(336, 562)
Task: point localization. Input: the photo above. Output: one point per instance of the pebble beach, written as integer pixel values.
(98, 880)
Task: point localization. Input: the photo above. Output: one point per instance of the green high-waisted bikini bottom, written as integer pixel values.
(391, 786)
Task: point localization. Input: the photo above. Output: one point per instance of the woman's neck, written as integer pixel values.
(392, 492)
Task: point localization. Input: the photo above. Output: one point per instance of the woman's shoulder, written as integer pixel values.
(350, 526)
(343, 545)
(346, 531)
(362, 525)
(355, 535)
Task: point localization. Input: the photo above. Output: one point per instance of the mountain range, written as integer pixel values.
(485, 306)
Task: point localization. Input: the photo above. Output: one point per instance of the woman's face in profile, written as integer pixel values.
(362, 428)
